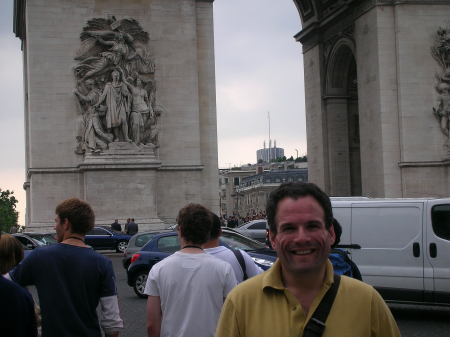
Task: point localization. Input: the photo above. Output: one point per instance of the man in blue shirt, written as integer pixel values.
(72, 279)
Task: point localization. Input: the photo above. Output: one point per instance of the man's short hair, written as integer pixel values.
(79, 213)
(195, 223)
(216, 227)
(295, 191)
(11, 253)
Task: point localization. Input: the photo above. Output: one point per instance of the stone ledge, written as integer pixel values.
(182, 168)
(424, 163)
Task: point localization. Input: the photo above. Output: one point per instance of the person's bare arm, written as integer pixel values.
(154, 316)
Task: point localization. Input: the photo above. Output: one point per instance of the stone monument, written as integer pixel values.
(377, 89)
(119, 107)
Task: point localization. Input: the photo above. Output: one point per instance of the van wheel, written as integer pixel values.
(139, 284)
(121, 246)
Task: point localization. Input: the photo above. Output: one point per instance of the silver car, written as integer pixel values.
(255, 229)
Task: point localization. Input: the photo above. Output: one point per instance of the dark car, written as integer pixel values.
(103, 238)
(164, 244)
(136, 243)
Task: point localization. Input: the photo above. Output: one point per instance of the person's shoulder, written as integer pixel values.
(249, 288)
(357, 289)
(10, 288)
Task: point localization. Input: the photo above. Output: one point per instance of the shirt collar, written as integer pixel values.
(272, 278)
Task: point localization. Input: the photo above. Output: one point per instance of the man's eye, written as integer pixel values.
(288, 229)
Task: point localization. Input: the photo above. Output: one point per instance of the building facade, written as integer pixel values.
(114, 113)
(265, 155)
(377, 88)
(252, 193)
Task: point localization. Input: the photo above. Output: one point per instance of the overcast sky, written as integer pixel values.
(259, 68)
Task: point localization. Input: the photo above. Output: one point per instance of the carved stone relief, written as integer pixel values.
(115, 87)
(441, 53)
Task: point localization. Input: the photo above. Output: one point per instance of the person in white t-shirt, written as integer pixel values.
(212, 247)
(186, 290)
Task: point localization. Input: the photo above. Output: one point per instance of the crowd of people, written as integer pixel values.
(204, 289)
(236, 220)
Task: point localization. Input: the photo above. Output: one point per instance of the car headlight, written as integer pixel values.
(263, 262)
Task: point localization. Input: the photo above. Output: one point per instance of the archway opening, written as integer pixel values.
(341, 102)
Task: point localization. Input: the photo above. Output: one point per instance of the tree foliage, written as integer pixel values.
(8, 213)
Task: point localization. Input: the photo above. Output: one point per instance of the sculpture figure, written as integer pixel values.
(115, 86)
(441, 53)
(90, 129)
(442, 112)
(118, 100)
(140, 109)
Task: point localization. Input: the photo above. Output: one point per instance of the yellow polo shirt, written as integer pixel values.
(263, 307)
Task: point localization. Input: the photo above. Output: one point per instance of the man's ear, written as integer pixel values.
(332, 234)
(66, 225)
(272, 238)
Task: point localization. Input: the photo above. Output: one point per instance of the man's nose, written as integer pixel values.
(302, 234)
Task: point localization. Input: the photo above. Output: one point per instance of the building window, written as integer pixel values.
(236, 181)
(225, 180)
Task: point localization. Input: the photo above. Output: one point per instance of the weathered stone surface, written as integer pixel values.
(145, 182)
(404, 148)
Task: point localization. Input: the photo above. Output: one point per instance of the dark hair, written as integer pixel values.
(79, 213)
(295, 191)
(11, 253)
(195, 223)
(216, 227)
(337, 231)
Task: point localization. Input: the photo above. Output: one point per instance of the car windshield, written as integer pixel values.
(236, 241)
(44, 239)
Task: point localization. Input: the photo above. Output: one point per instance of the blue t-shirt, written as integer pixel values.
(70, 281)
(17, 317)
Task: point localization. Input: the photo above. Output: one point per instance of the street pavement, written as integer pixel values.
(413, 321)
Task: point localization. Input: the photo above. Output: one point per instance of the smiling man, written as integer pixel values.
(283, 301)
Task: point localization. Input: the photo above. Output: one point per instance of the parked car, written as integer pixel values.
(103, 238)
(34, 240)
(255, 229)
(136, 243)
(164, 244)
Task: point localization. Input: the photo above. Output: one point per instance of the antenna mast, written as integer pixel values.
(270, 141)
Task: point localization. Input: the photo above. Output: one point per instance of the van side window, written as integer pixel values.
(440, 218)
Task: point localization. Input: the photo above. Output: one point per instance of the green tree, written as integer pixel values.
(8, 213)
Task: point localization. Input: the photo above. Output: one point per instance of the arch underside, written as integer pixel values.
(341, 103)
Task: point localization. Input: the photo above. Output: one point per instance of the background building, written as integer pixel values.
(267, 154)
(243, 191)
(252, 193)
(376, 87)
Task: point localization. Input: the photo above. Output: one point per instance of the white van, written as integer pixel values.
(401, 246)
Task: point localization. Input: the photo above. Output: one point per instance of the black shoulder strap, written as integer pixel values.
(316, 325)
(241, 261)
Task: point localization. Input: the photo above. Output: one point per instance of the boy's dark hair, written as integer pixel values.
(195, 223)
(337, 231)
(295, 191)
(216, 227)
(79, 213)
